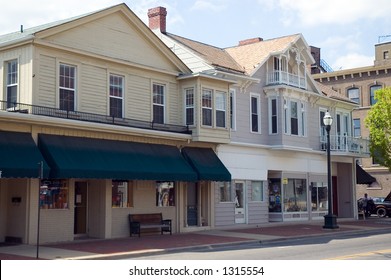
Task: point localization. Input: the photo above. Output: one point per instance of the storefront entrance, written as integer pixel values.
(192, 204)
(80, 222)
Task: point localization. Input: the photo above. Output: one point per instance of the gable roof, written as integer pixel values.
(217, 57)
(29, 33)
(49, 29)
(251, 56)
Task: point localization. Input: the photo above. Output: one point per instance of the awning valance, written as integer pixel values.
(208, 166)
(363, 177)
(20, 157)
(78, 157)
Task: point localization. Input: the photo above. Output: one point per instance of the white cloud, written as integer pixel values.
(32, 13)
(208, 6)
(316, 12)
(352, 60)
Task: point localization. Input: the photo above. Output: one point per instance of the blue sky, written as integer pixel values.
(345, 30)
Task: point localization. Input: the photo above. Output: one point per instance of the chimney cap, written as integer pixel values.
(250, 41)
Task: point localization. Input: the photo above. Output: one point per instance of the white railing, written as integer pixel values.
(282, 77)
(346, 144)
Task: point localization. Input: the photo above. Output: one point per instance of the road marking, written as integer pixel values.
(364, 254)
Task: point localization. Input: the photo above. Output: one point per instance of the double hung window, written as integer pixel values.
(207, 107)
(116, 96)
(12, 83)
(67, 88)
(354, 95)
(158, 103)
(221, 101)
(255, 110)
(189, 105)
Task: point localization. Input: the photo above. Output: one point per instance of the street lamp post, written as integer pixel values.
(330, 220)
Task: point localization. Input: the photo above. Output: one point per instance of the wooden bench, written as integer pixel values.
(148, 221)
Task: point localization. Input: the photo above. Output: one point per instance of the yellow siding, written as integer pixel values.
(24, 57)
(93, 93)
(117, 38)
(46, 76)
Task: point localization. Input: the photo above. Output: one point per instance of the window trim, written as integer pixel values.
(358, 93)
(209, 91)
(163, 104)
(257, 96)
(11, 85)
(191, 106)
(75, 77)
(372, 100)
(217, 109)
(271, 115)
(116, 97)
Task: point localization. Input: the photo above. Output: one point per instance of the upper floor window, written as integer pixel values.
(189, 105)
(386, 55)
(67, 87)
(295, 121)
(356, 128)
(116, 96)
(372, 90)
(232, 111)
(273, 115)
(321, 124)
(255, 110)
(354, 94)
(207, 107)
(294, 118)
(221, 101)
(12, 83)
(158, 103)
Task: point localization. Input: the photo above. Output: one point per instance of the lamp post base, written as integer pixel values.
(330, 222)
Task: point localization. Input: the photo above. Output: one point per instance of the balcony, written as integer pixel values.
(285, 78)
(346, 145)
(89, 117)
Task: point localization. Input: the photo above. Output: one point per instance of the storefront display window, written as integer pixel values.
(257, 191)
(275, 195)
(122, 194)
(295, 195)
(319, 196)
(165, 194)
(53, 194)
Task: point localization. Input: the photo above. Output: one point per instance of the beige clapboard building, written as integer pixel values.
(111, 123)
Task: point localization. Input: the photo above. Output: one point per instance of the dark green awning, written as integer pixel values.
(20, 157)
(208, 166)
(363, 177)
(77, 157)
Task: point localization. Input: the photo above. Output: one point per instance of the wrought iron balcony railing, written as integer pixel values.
(346, 144)
(89, 117)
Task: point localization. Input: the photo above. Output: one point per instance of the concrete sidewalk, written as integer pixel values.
(154, 243)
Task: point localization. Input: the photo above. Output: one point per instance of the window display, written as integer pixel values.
(53, 194)
(165, 194)
(122, 194)
(275, 195)
(295, 195)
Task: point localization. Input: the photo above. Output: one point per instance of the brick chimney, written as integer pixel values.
(250, 41)
(157, 18)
